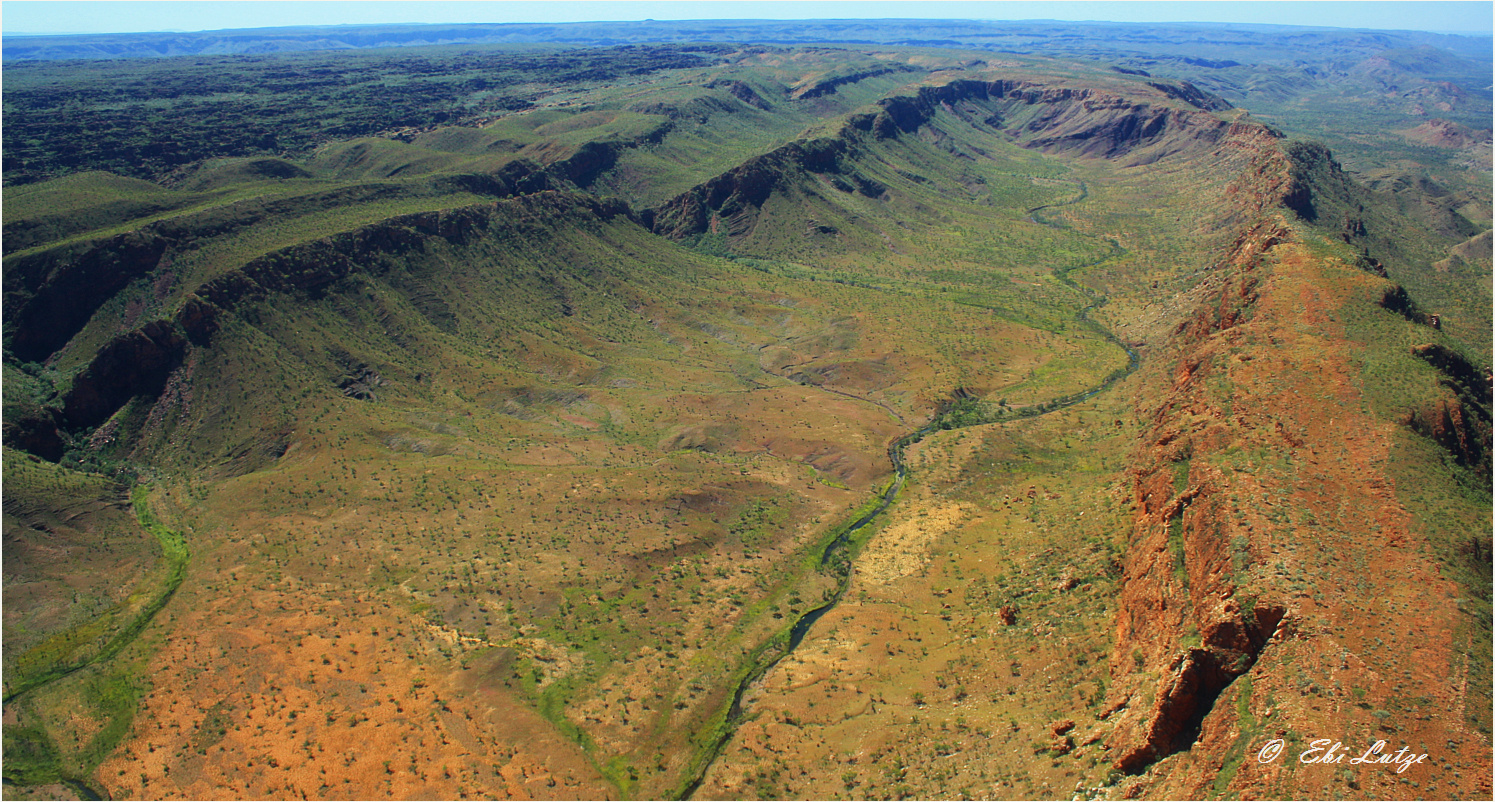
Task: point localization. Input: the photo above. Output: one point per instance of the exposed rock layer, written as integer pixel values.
(1263, 466)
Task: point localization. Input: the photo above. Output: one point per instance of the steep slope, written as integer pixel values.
(1257, 489)
(1073, 121)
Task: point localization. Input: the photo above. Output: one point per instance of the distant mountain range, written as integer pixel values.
(1198, 40)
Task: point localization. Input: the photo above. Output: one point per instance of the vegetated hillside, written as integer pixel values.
(502, 458)
(1345, 85)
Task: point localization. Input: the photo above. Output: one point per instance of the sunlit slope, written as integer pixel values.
(499, 417)
(1238, 484)
(493, 424)
(498, 486)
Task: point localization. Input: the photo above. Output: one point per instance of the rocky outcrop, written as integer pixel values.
(826, 86)
(1458, 427)
(361, 383)
(1263, 464)
(1077, 121)
(741, 91)
(1192, 95)
(1180, 575)
(1445, 134)
(1195, 679)
(132, 364)
(1397, 300)
(1311, 163)
(518, 177)
(34, 431)
(592, 159)
(1459, 421)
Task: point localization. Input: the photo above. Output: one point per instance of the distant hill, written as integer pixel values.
(1200, 43)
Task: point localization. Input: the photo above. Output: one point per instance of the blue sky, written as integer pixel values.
(120, 16)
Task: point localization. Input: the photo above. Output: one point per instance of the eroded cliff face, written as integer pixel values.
(1179, 619)
(1458, 420)
(729, 202)
(1278, 581)
(51, 295)
(137, 363)
(1078, 121)
(1073, 121)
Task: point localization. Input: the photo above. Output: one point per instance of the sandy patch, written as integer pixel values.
(902, 547)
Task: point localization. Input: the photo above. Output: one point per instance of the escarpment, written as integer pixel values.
(1266, 466)
(826, 86)
(1319, 192)
(52, 293)
(733, 198)
(136, 364)
(50, 296)
(1072, 121)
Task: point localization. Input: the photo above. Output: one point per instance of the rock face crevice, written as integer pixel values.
(1195, 680)
(1187, 625)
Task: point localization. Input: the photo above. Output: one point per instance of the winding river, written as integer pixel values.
(836, 557)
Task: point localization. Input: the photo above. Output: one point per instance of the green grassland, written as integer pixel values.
(90, 574)
(489, 376)
(958, 646)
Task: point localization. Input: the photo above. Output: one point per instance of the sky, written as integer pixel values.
(130, 16)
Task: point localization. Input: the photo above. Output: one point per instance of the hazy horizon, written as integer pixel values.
(86, 17)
